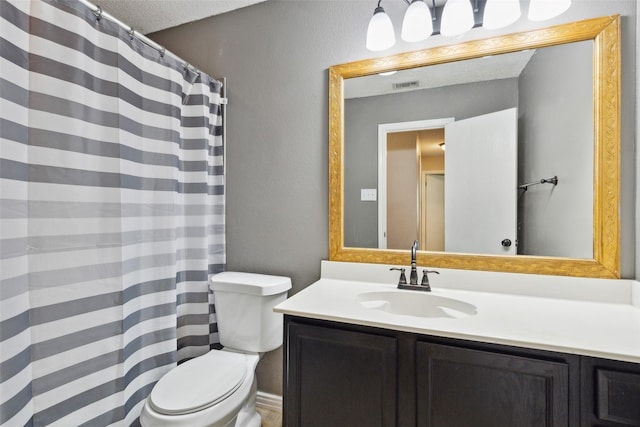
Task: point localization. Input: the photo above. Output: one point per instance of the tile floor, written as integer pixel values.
(270, 418)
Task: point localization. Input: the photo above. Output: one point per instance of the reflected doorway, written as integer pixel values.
(408, 153)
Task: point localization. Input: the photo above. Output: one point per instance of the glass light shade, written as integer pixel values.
(500, 13)
(457, 18)
(380, 35)
(417, 24)
(540, 10)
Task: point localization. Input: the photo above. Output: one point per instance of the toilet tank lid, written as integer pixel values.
(250, 283)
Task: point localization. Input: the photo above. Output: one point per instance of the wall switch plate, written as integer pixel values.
(368, 194)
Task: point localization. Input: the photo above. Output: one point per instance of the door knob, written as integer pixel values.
(506, 243)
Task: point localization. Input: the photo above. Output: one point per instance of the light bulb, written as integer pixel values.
(457, 18)
(500, 13)
(540, 10)
(380, 35)
(417, 24)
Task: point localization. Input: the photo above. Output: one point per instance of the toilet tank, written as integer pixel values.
(244, 310)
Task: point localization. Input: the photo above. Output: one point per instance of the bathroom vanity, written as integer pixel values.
(505, 350)
(532, 339)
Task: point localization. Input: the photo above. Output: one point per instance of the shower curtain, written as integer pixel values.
(111, 215)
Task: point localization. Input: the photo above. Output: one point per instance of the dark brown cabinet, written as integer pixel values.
(610, 393)
(340, 378)
(463, 387)
(347, 375)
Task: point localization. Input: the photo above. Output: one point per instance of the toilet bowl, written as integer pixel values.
(219, 388)
(182, 397)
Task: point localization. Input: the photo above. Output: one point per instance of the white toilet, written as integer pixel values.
(219, 388)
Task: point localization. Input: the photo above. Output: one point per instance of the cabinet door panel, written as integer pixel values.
(464, 387)
(618, 395)
(610, 393)
(339, 378)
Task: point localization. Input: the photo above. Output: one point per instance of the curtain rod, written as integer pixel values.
(100, 13)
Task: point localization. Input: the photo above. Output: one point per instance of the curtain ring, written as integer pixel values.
(98, 13)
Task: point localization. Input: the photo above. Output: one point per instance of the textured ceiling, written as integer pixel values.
(148, 16)
(473, 70)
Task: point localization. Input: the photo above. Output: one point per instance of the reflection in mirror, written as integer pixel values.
(394, 128)
(562, 121)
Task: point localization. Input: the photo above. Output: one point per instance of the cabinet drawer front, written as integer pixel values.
(464, 387)
(618, 397)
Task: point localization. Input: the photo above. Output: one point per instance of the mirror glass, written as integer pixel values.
(498, 154)
(481, 196)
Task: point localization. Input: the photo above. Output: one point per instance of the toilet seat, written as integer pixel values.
(182, 391)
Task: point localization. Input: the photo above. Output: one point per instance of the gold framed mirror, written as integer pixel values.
(605, 263)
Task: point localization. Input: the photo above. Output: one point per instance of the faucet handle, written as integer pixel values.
(403, 278)
(425, 278)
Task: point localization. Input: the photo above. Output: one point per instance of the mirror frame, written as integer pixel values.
(605, 33)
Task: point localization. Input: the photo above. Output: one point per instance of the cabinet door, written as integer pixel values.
(460, 387)
(611, 393)
(339, 378)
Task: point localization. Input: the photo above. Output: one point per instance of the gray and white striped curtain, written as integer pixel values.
(111, 215)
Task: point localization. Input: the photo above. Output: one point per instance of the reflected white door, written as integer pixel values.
(481, 161)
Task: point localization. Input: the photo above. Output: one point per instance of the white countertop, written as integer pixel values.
(594, 317)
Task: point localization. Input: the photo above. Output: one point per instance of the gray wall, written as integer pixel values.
(637, 154)
(555, 136)
(276, 55)
(362, 116)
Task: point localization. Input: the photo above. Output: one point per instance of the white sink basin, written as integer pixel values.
(415, 303)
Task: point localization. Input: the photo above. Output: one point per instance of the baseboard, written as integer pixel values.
(269, 401)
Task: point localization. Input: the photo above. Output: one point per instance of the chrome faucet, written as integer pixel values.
(413, 277)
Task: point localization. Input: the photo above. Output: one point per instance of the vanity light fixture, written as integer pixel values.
(417, 24)
(457, 18)
(380, 34)
(454, 18)
(442, 146)
(500, 13)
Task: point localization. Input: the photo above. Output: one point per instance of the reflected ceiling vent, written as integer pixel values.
(406, 85)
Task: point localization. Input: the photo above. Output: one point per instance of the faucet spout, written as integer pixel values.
(413, 277)
(414, 250)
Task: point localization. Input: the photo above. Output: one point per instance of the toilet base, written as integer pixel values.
(251, 421)
(248, 415)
